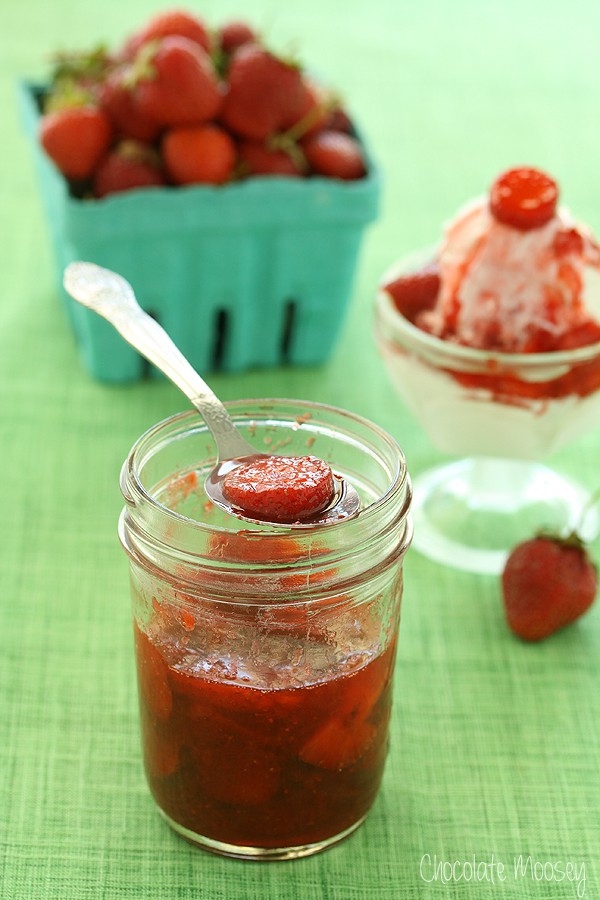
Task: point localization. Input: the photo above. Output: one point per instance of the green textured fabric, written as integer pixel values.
(495, 744)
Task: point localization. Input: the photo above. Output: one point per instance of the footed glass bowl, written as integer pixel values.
(498, 414)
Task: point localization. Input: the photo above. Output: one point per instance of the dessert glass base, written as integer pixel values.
(469, 514)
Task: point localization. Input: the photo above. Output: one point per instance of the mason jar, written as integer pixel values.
(265, 654)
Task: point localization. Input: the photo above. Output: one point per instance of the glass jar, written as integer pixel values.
(265, 654)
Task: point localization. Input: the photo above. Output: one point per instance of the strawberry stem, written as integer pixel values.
(325, 105)
(142, 68)
(289, 146)
(591, 501)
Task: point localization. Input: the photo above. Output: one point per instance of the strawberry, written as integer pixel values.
(176, 83)
(280, 488)
(77, 71)
(313, 111)
(199, 154)
(359, 719)
(118, 99)
(264, 94)
(335, 155)
(339, 120)
(548, 582)
(131, 164)
(340, 742)
(174, 22)
(257, 158)
(235, 33)
(75, 138)
(415, 292)
(523, 198)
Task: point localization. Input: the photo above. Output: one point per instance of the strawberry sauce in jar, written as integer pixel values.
(265, 653)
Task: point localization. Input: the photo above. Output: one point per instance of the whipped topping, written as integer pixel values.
(501, 287)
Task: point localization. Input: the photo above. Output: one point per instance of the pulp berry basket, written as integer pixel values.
(255, 273)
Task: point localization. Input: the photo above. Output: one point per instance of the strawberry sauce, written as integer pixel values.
(276, 767)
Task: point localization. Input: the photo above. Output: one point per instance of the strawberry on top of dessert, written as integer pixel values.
(513, 273)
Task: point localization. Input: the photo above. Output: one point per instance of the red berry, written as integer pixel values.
(280, 488)
(335, 155)
(177, 84)
(339, 120)
(352, 729)
(258, 159)
(199, 154)
(415, 292)
(117, 98)
(130, 165)
(313, 113)
(547, 583)
(235, 33)
(567, 242)
(264, 94)
(75, 138)
(523, 198)
(173, 22)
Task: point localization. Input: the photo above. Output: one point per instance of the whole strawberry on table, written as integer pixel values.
(548, 582)
(181, 104)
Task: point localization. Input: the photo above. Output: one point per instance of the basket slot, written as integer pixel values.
(221, 328)
(287, 332)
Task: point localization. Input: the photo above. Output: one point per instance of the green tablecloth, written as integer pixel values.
(495, 744)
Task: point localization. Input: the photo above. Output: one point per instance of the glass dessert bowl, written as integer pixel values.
(499, 412)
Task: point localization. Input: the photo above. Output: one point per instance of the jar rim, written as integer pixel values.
(134, 491)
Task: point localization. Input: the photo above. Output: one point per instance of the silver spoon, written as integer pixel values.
(112, 297)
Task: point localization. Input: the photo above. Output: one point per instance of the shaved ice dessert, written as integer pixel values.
(493, 338)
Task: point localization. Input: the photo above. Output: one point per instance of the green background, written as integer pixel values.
(495, 746)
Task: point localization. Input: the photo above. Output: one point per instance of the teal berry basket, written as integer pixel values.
(257, 273)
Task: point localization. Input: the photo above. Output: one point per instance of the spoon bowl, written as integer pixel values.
(344, 502)
(111, 296)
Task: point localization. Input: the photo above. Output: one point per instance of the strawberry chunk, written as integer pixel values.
(358, 720)
(280, 488)
(415, 292)
(339, 743)
(523, 198)
(587, 332)
(568, 241)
